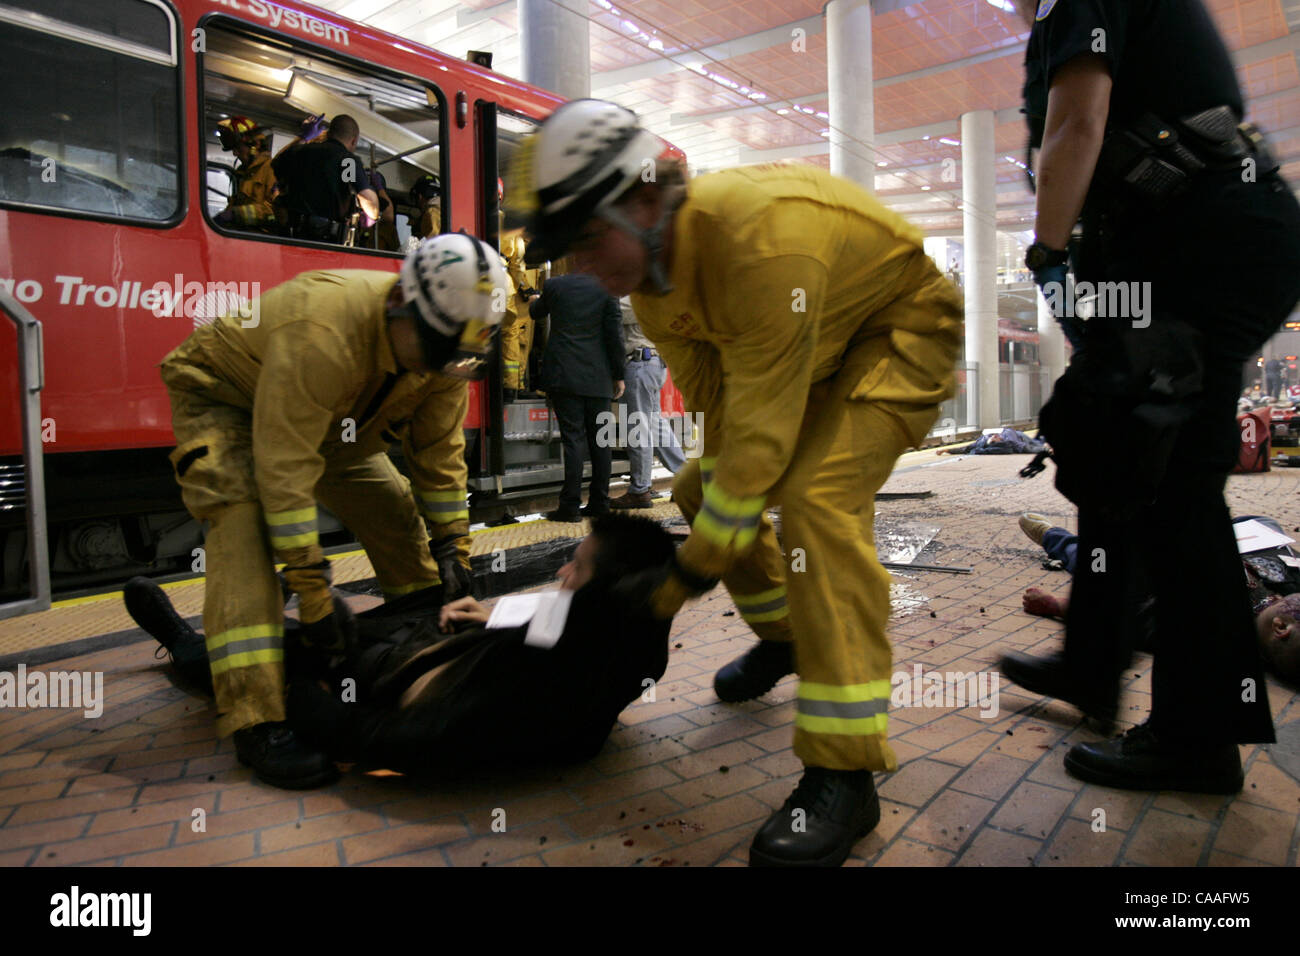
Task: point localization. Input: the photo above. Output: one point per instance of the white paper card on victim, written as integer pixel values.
(1254, 536)
(514, 610)
(548, 622)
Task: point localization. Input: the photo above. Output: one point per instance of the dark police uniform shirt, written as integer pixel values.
(1165, 57)
(317, 179)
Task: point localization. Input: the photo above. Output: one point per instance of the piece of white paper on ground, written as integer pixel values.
(548, 622)
(514, 610)
(1253, 536)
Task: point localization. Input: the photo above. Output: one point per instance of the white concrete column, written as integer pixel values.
(555, 46)
(850, 80)
(1051, 342)
(980, 239)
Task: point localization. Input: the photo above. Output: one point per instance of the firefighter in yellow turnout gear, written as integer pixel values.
(517, 329)
(807, 324)
(293, 404)
(250, 207)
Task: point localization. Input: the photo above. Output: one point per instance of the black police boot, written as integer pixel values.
(1145, 760)
(150, 608)
(829, 811)
(1048, 676)
(754, 674)
(281, 759)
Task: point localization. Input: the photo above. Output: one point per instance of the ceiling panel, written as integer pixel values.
(699, 76)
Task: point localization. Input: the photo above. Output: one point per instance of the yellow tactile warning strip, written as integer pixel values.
(95, 615)
(79, 618)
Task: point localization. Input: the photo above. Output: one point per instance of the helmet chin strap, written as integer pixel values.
(653, 241)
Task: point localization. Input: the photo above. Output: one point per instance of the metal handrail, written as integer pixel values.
(31, 358)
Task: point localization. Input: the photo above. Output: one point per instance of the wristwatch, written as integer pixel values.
(1040, 256)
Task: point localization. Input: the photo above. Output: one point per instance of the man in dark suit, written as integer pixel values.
(582, 372)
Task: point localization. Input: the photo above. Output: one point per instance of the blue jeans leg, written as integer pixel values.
(669, 448)
(1062, 546)
(642, 398)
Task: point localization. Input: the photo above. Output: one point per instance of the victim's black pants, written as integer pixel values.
(579, 432)
(1226, 261)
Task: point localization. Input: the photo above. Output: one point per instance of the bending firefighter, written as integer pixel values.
(807, 324)
(296, 407)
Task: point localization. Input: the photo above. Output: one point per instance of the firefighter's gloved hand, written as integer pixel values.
(335, 633)
(457, 581)
(662, 590)
(312, 127)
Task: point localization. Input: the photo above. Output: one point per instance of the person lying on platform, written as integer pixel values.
(1006, 442)
(1273, 586)
(434, 689)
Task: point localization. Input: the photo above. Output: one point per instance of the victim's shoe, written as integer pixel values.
(150, 608)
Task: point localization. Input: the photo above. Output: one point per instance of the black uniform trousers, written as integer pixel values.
(1225, 259)
(579, 431)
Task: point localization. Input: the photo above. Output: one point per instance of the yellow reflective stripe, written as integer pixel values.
(769, 605)
(248, 659)
(285, 542)
(291, 517)
(243, 634)
(846, 693)
(856, 727)
(763, 617)
(728, 505)
(762, 597)
(292, 529)
(443, 507)
(403, 589)
(722, 535)
(455, 494)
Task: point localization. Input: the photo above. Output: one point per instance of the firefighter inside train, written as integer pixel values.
(807, 324)
(297, 406)
(251, 205)
(517, 329)
(426, 197)
(325, 190)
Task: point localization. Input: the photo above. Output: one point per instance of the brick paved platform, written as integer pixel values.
(685, 780)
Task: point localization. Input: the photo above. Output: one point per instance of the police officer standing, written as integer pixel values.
(1135, 107)
(319, 180)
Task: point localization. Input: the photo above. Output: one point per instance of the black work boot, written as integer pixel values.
(754, 674)
(281, 759)
(150, 608)
(827, 814)
(1145, 760)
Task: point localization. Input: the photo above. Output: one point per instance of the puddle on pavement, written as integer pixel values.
(904, 598)
(899, 542)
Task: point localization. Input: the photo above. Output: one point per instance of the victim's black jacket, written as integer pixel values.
(429, 702)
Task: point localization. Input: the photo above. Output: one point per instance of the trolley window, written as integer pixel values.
(91, 121)
(266, 87)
